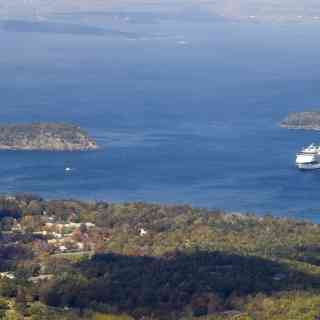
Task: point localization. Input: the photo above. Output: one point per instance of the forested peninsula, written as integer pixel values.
(67, 260)
(45, 136)
(309, 120)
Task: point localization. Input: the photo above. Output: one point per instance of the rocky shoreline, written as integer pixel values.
(309, 120)
(45, 137)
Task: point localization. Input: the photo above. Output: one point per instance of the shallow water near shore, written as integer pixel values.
(186, 112)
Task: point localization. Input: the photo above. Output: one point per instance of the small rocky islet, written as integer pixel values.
(45, 137)
(308, 120)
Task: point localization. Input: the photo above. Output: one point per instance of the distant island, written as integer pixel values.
(45, 136)
(302, 120)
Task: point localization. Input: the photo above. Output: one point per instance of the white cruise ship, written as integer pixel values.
(309, 158)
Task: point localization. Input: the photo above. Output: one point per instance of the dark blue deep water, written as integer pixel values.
(187, 110)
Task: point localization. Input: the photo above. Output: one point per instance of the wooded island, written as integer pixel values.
(45, 136)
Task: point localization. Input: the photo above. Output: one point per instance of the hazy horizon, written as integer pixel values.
(255, 10)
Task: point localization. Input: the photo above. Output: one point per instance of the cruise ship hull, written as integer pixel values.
(308, 166)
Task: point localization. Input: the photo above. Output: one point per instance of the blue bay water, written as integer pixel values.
(186, 112)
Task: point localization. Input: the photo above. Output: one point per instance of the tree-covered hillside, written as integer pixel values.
(147, 261)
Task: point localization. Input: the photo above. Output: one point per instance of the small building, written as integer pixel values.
(43, 277)
(17, 227)
(49, 224)
(63, 248)
(142, 232)
(7, 275)
(57, 235)
(89, 225)
(80, 246)
(40, 233)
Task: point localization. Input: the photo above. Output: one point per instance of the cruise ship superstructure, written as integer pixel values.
(309, 158)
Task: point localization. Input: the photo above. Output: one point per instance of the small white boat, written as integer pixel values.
(309, 158)
(67, 169)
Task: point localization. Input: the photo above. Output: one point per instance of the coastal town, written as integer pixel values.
(28, 228)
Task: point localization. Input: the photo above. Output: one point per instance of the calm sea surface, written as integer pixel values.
(187, 110)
